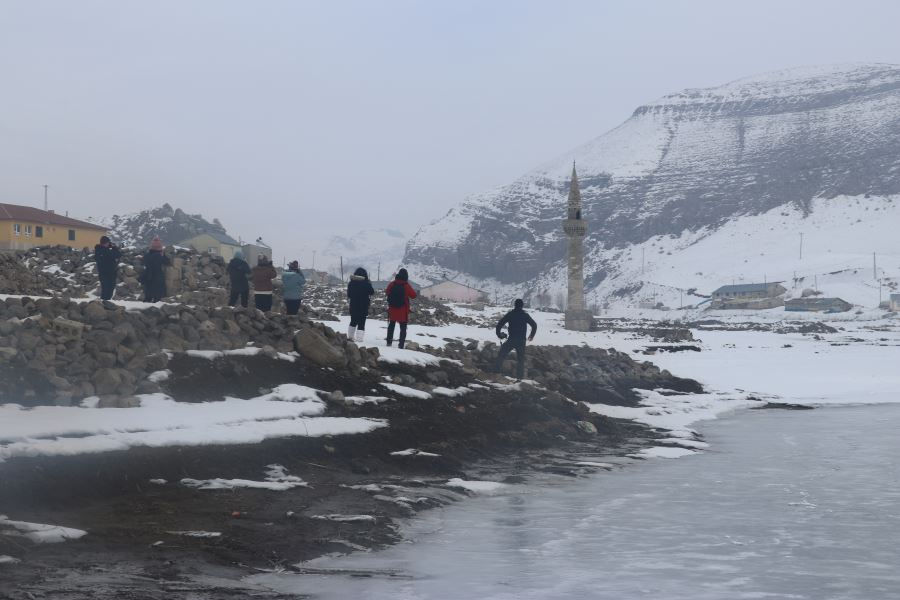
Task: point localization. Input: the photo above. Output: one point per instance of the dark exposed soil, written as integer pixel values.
(130, 551)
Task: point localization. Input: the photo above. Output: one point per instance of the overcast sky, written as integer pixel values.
(297, 120)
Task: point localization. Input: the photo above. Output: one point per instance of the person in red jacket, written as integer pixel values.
(399, 293)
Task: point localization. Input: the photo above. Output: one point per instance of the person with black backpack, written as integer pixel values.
(399, 293)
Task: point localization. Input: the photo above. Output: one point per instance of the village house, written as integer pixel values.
(895, 302)
(23, 227)
(253, 251)
(749, 296)
(813, 304)
(216, 242)
(454, 292)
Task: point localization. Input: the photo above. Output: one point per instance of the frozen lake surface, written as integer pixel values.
(785, 504)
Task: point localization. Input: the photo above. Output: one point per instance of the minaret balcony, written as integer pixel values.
(574, 227)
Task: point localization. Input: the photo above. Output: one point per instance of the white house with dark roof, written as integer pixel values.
(749, 296)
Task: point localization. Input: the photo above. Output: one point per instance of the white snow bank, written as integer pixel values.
(38, 532)
(276, 479)
(413, 452)
(479, 487)
(407, 391)
(366, 399)
(160, 421)
(662, 452)
(452, 392)
(197, 534)
(392, 355)
(676, 412)
(345, 518)
(8, 560)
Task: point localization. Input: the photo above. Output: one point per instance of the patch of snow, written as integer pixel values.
(39, 533)
(407, 391)
(479, 487)
(158, 481)
(197, 534)
(160, 421)
(412, 452)
(159, 376)
(662, 452)
(346, 518)
(452, 392)
(365, 399)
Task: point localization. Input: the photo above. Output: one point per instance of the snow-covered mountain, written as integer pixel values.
(710, 186)
(367, 249)
(172, 225)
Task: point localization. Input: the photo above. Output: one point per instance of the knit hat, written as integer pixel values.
(519, 303)
(156, 244)
(360, 272)
(104, 239)
(239, 254)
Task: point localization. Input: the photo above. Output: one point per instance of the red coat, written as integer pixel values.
(400, 314)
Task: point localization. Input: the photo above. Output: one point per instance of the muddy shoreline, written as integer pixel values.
(356, 491)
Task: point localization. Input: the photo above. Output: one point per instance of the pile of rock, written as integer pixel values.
(192, 277)
(55, 350)
(591, 375)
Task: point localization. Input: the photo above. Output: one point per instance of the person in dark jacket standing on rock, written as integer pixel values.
(518, 321)
(106, 257)
(292, 282)
(399, 293)
(263, 274)
(239, 274)
(359, 292)
(154, 276)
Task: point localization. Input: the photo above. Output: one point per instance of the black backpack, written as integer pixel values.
(397, 295)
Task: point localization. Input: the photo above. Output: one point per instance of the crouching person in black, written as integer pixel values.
(518, 321)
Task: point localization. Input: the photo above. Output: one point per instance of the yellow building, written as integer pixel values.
(215, 243)
(23, 227)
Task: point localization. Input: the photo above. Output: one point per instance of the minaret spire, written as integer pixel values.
(577, 317)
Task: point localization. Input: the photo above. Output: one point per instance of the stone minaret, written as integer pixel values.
(577, 318)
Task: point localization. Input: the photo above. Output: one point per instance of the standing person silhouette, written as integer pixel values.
(399, 293)
(518, 321)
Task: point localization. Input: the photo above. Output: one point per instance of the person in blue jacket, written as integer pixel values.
(292, 282)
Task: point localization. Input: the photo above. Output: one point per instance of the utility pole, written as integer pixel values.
(874, 267)
(46, 206)
(342, 269)
(378, 277)
(314, 261)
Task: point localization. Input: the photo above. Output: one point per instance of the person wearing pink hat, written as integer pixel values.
(153, 277)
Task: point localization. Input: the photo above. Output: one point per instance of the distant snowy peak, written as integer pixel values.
(801, 82)
(172, 225)
(686, 165)
(368, 249)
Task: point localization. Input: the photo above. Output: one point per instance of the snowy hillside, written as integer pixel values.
(367, 249)
(713, 185)
(172, 225)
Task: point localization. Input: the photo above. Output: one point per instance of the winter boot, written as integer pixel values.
(351, 332)
(360, 335)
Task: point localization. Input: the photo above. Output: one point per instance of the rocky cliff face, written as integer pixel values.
(688, 163)
(172, 225)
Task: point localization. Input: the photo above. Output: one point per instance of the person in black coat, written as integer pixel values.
(154, 276)
(518, 321)
(360, 292)
(239, 274)
(106, 257)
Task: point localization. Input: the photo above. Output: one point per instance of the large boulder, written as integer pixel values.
(317, 348)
